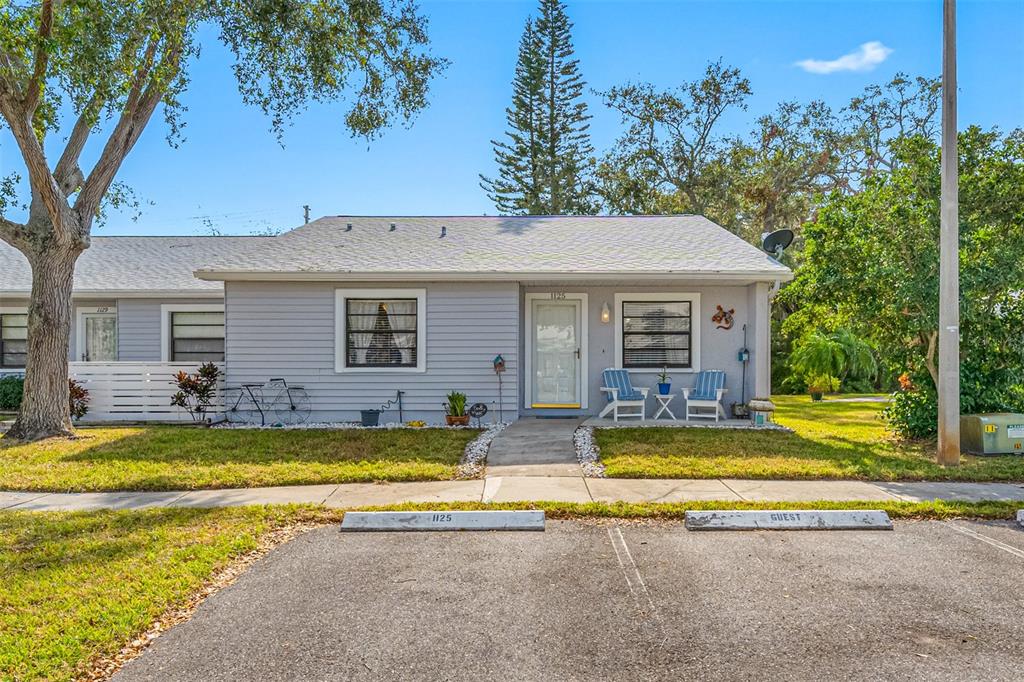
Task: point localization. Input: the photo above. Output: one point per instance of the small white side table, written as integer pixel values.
(663, 401)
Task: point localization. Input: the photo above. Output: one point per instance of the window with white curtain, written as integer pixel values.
(380, 332)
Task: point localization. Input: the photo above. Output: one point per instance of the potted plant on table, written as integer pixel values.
(664, 382)
(455, 409)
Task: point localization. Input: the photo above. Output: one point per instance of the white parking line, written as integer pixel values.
(987, 540)
(634, 580)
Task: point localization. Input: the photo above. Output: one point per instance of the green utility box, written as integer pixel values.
(992, 434)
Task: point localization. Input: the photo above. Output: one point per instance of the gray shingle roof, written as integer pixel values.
(536, 245)
(133, 264)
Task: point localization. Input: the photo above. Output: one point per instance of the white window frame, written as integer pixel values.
(584, 383)
(80, 314)
(695, 318)
(340, 322)
(165, 323)
(13, 310)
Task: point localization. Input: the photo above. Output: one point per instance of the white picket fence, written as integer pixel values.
(134, 391)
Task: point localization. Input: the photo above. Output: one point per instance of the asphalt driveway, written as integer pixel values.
(617, 601)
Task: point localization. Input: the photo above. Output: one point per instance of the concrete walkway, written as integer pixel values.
(535, 447)
(524, 488)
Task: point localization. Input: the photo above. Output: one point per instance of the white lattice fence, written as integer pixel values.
(134, 391)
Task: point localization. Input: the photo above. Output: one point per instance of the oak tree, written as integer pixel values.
(98, 70)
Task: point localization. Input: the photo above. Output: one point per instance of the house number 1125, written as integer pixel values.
(557, 296)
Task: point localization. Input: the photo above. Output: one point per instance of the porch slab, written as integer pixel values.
(373, 494)
(806, 491)
(658, 490)
(609, 423)
(925, 491)
(537, 488)
(236, 497)
(92, 501)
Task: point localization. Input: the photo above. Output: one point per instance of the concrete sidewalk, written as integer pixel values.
(525, 488)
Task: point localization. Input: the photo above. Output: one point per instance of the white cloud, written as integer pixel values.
(864, 58)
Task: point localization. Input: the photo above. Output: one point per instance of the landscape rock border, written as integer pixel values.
(474, 459)
(587, 452)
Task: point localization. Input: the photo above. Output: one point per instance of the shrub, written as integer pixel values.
(11, 389)
(196, 391)
(78, 399)
(912, 413)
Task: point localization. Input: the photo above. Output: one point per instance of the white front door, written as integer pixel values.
(556, 356)
(100, 337)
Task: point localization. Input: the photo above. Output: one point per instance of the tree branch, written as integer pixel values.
(139, 107)
(67, 173)
(41, 180)
(13, 233)
(42, 58)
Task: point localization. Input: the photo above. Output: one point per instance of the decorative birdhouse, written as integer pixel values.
(499, 364)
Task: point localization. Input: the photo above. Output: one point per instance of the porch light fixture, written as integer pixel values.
(606, 313)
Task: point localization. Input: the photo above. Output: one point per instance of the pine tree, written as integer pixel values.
(545, 166)
(518, 187)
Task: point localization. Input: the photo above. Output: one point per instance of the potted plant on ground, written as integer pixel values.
(455, 409)
(664, 382)
(819, 385)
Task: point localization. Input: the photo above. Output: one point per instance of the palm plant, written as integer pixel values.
(839, 354)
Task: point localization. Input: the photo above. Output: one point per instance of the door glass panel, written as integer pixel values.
(100, 338)
(555, 364)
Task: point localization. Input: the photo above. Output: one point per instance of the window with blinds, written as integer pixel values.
(656, 334)
(381, 332)
(197, 337)
(13, 339)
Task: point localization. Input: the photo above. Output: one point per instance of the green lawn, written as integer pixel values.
(830, 440)
(79, 586)
(175, 458)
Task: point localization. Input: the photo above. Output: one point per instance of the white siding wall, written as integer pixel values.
(138, 326)
(287, 329)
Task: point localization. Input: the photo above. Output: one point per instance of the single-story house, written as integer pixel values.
(357, 308)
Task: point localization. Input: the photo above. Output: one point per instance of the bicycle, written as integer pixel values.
(246, 404)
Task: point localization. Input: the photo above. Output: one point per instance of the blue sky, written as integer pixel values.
(232, 172)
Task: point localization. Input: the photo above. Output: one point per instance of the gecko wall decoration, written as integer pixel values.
(723, 318)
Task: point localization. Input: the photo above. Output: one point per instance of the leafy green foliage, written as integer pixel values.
(545, 162)
(839, 354)
(455, 406)
(873, 257)
(670, 158)
(11, 388)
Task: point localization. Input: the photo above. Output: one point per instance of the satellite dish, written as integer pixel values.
(776, 242)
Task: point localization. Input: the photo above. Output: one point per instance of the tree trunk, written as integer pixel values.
(45, 408)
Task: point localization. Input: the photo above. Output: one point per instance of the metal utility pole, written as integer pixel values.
(305, 213)
(949, 254)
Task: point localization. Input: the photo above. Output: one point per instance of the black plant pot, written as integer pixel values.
(370, 417)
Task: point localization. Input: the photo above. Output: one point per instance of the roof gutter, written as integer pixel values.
(774, 275)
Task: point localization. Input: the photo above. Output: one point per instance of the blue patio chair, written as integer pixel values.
(621, 394)
(707, 392)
